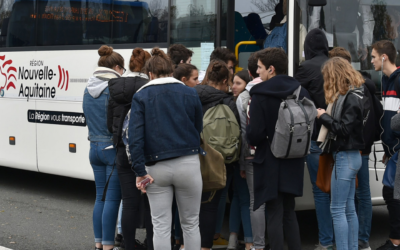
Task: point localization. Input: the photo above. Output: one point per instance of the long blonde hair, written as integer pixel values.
(339, 76)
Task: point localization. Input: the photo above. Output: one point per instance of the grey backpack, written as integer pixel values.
(294, 127)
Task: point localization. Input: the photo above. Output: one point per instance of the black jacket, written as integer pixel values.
(372, 128)
(272, 175)
(121, 93)
(309, 74)
(349, 130)
(210, 96)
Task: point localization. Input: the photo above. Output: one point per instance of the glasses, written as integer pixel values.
(124, 70)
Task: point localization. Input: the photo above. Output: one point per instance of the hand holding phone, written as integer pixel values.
(143, 182)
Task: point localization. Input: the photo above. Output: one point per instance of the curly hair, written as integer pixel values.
(178, 53)
(339, 77)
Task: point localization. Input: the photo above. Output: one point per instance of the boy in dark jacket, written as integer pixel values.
(384, 58)
(276, 181)
(310, 77)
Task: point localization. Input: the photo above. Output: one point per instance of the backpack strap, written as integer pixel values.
(396, 85)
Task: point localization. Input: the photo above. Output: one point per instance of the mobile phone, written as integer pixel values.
(145, 182)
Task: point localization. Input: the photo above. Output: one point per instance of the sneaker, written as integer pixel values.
(139, 245)
(220, 243)
(117, 240)
(321, 247)
(388, 246)
(363, 245)
(233, 241)
(177, 247)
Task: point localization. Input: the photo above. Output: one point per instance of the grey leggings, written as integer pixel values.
(257, 217)
(182, 176)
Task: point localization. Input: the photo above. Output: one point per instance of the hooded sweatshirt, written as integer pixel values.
(391, 104)
(99, 81)
(309, 73)
(242, 103)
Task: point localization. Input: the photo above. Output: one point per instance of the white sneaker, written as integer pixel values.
(233, 241)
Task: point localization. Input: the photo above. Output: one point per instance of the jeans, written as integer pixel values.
(105, 213)
(257, 217)
(132, 198)
(222, 200)
(181, 176)
(240, 207)
(282, 221)
(393, 206)
(363, 201)
(322, 200)
(343, 188)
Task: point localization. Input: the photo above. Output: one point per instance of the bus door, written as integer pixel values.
(253, 22)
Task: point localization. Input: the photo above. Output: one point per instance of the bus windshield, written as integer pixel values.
(354, 25)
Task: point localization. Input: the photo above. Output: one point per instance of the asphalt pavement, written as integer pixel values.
(47, 212)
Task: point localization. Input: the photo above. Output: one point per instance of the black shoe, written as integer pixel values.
(139, 245)
(388, 246)
(117, 240)
(177, 246)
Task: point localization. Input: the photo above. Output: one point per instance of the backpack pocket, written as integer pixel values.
(284, 145)
(229, 147)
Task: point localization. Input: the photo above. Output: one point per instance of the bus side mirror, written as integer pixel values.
(316, 2)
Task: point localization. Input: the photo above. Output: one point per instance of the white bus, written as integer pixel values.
(48, 50)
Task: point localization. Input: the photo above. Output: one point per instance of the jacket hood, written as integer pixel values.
(133, 74)
(122, 89)
(210, 94)
(315, 44)
(394, 74)
(252, 83)
(161, 81)
(280, 86)
(99, 81)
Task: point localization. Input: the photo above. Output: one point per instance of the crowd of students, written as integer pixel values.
(149, 123)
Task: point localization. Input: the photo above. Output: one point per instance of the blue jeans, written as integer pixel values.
(240, 207)
(322, 200)
(343, 189)
(363, 202)
(104, 213)
(119, 227)
(222, 201)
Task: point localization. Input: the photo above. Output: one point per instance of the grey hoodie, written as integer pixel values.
(99, 81)
(242, 102)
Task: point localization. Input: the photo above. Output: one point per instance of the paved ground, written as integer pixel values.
(40, 211)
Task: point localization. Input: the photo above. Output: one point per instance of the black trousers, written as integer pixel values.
(132, 199)
(282, 222)
(393, 206)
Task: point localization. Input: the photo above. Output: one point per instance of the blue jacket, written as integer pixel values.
(95, 104)
(391, 104)
(165, 122)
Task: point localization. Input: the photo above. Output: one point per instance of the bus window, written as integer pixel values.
(193, 24)
(17, 28)
(82, 22)
(142, 22)
(354, 25)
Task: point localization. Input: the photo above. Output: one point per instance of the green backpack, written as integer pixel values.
(222, 132)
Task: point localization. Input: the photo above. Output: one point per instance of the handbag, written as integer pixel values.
(213, 171)
(324, 174)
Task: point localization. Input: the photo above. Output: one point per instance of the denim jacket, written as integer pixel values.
(165, 122)
(95, 104)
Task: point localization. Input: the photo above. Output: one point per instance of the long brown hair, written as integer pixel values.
(216, 73)
(138, 59)
(339, 77)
